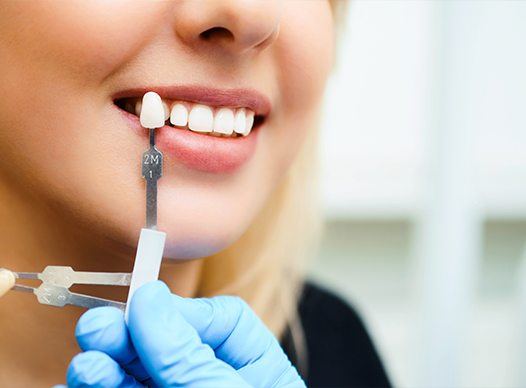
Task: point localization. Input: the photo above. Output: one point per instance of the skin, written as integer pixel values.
(70, 187)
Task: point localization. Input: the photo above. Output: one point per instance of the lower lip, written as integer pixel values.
(218, 155)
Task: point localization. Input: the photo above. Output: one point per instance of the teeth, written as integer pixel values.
(224, 121)
(240, 122)
(166, 111)
(201, 119)
(198, 118)
(152, 111)
(250, 122)
(179, 115)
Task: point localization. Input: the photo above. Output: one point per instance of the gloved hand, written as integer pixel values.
(174, 341)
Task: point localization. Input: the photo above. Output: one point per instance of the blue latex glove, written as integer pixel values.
(174, 341)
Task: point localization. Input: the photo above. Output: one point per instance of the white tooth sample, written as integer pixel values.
(179, 115)
(224, 121)
(201, 119)
(152, 111)
(7, 281)
(166, 111)
(250, 122)
(240, 122)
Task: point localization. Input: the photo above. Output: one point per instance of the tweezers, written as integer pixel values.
(56, 281)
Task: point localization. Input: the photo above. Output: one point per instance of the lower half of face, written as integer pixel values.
(67, 129)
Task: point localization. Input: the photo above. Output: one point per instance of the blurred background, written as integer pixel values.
(424, 187)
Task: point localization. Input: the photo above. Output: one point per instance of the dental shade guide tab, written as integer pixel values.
(152, 111)
(151, 241)
(56, 280)
(152, 116)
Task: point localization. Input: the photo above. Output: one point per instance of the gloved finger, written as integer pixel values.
(169, 347)
(97, 369)
(239, 338)
(104, 329)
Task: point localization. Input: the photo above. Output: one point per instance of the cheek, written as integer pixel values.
(305, 58)
(305, 53)
(54, 58)
(86, 40)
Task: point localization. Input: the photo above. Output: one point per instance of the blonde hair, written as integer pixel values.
(266, 266)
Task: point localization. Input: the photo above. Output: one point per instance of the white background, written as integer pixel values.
(424, 187)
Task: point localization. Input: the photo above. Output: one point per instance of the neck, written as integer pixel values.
(37, 340)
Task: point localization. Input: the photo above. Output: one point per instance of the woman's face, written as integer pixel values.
(71, 73)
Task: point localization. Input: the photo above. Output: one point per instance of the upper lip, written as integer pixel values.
(233, 98)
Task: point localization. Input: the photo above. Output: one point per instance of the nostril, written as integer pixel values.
(219, 33)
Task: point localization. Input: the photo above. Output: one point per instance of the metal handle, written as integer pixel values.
(63, 276)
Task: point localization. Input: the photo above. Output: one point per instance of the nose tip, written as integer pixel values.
(234, 25)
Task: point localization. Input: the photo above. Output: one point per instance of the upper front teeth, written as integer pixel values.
(179, 115)
(205, 119)
(224, 121)
(201, 119)
(240, 122)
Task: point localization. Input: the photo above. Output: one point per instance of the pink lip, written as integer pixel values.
(197, 151)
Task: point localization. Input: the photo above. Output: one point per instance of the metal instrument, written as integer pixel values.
(152, 170)
(56, 281)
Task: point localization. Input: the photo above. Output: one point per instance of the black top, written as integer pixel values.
(340, 352)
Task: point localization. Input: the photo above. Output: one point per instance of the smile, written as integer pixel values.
(216, 121)
(207, 129)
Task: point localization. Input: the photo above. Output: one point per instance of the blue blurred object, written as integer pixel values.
(178, 341)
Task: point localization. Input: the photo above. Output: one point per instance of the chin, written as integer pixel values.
(183, 247)
(197, 234)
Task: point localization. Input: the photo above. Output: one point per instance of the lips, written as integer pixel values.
(235, 98)
(207, 152)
